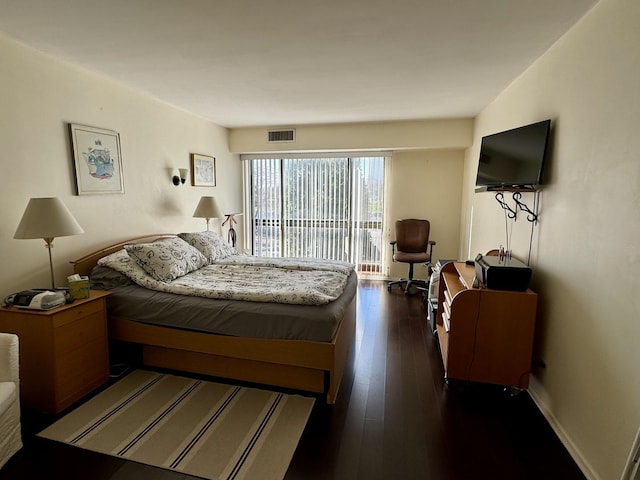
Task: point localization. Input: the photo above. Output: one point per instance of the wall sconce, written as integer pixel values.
(179, 176)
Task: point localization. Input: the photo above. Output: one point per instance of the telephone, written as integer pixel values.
(36, 299)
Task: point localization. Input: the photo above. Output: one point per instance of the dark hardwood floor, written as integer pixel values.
(395, 418)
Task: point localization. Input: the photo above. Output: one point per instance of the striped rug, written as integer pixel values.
(201, 428)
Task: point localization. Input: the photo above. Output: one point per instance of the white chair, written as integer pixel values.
(10, 437)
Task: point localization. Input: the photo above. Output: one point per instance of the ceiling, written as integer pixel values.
(244, 63)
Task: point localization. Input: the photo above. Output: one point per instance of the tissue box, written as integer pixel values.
(79, 288)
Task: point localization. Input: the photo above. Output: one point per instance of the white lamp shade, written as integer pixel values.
(206, 208)
(47, 218)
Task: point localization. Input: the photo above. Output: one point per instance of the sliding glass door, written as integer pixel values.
(322, 207)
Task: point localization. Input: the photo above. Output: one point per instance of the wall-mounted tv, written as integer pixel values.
(513, 158)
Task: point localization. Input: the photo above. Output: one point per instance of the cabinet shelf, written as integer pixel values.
(453, 284)
(445, 321)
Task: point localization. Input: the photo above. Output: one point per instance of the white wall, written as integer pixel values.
(415, 135)
(39, 96)
(426, 184)
(585, 252)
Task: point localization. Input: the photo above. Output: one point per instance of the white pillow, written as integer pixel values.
(210, 244)
(120, 261)
(166, 260)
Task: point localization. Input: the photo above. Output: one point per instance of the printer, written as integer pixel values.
(502, 272)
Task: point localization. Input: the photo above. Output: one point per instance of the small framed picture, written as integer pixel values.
(97, 160)
(203, 170)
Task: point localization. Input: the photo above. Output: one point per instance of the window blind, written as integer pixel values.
(318, 207)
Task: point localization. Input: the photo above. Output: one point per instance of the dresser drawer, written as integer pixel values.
(76, 334)
(77, 312)
(80, 370)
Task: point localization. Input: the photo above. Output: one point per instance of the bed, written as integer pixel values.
(300, 364)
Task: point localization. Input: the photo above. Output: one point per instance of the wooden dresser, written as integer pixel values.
(63, 351)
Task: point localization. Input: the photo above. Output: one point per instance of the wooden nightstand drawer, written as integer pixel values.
(75, 313)
(73, 335)
(80, 371)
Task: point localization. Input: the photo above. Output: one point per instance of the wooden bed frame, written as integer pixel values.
(297, 364)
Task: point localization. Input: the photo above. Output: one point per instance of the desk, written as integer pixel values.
(485, 335)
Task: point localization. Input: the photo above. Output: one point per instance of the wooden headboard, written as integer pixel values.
(84, 264)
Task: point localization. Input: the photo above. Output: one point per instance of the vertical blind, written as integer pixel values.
(321, 207)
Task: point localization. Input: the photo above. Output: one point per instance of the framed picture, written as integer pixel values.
(203, 170)
(97, 160)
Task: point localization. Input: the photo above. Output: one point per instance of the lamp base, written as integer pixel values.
(49, 246)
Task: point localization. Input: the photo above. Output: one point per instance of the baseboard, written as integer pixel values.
(575, 453)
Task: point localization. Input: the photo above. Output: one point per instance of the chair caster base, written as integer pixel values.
(409, 287)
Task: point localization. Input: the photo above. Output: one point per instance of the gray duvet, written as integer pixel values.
(225, 317)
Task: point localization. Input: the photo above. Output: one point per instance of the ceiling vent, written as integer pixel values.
(279, 136)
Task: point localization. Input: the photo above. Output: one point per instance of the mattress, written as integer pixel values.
(228, 317)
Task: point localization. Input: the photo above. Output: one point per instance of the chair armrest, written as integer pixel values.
(9, 358)
(431, 244)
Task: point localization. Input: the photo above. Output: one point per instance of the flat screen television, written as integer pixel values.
(513, 158)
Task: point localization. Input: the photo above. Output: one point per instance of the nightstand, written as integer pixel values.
(63, 351)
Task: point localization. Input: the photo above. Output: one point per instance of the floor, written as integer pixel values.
(395, 418)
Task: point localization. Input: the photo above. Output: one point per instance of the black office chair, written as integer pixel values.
(412, 245)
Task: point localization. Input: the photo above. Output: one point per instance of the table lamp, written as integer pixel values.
(47, 218)
(206, 209)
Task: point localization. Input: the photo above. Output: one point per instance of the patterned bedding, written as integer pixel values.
(244, 277)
